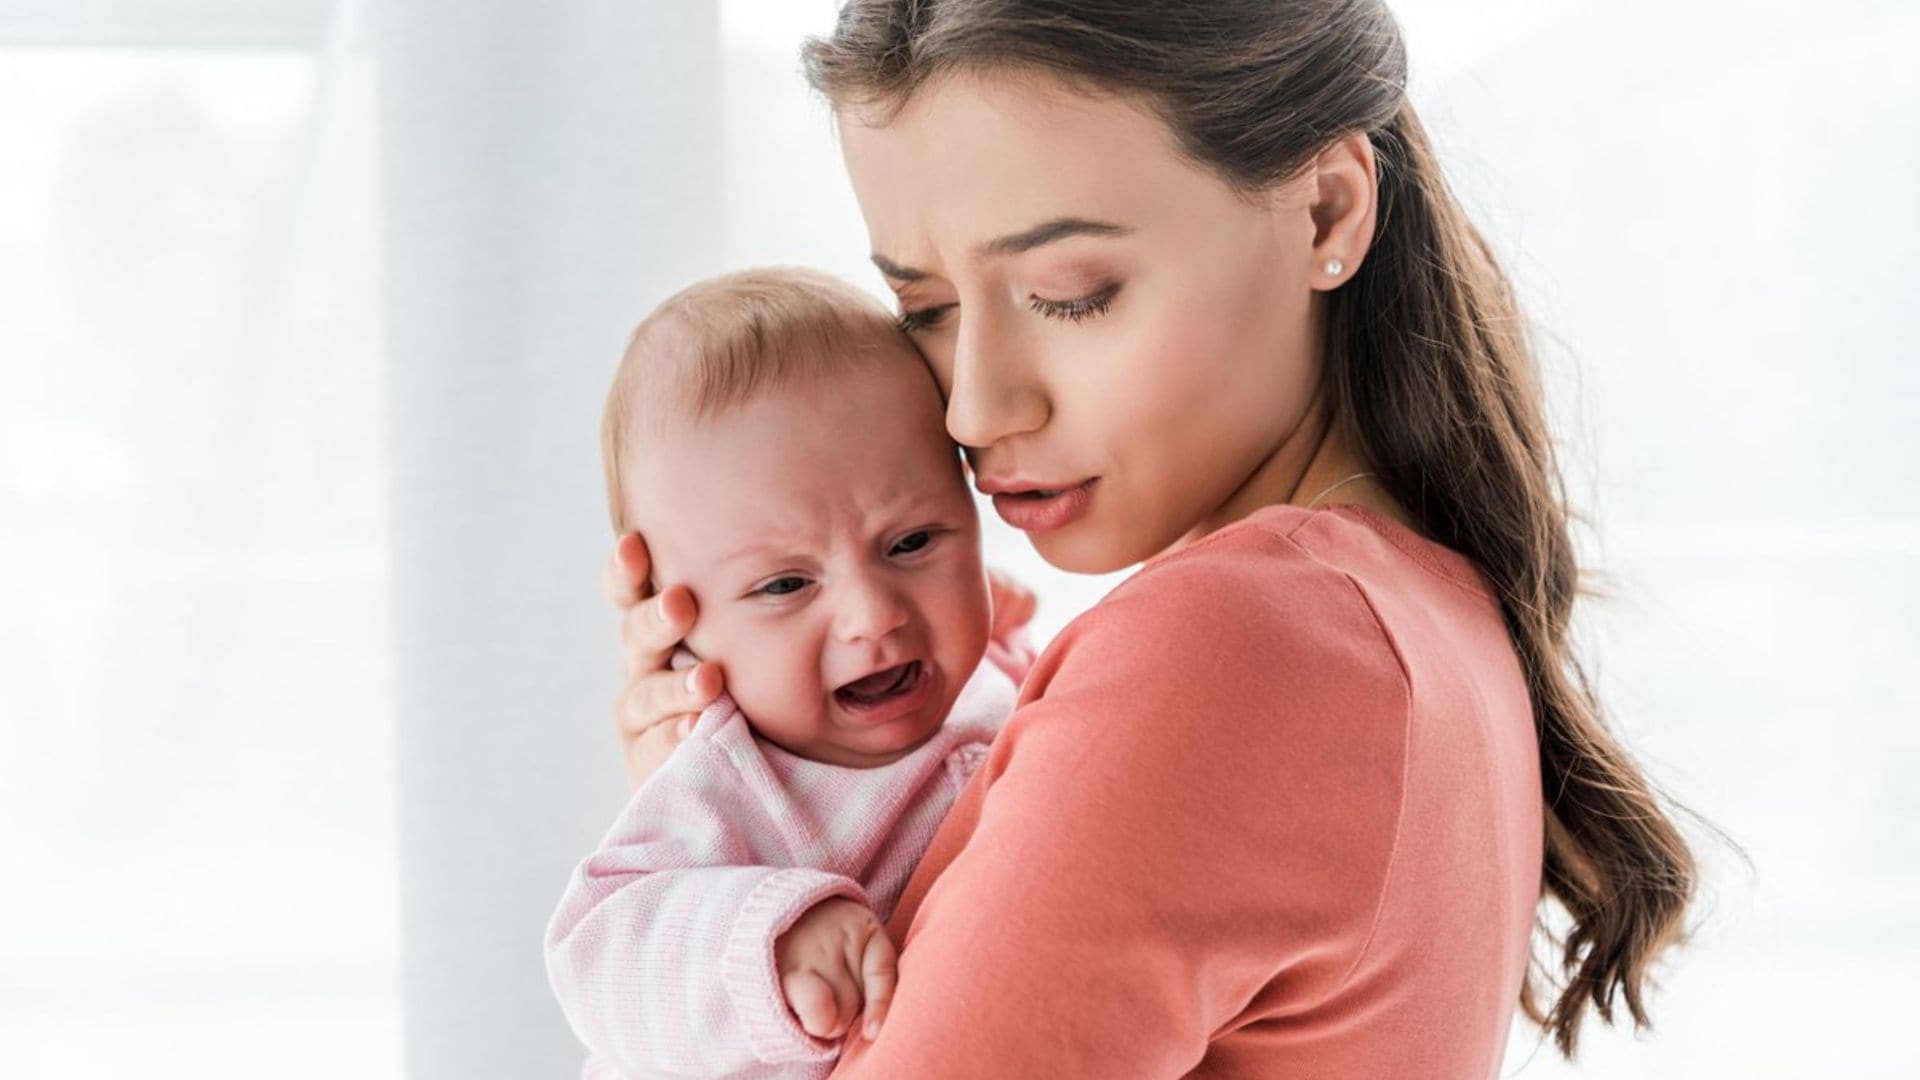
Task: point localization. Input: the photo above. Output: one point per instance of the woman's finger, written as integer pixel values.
(652, 699)
(649, 630)
(650, 749)
(624, 577)
(611, 577)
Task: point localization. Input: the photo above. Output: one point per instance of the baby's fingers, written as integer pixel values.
(879, 974)
(823, 1009)
(811, 1000)
(1013, 605)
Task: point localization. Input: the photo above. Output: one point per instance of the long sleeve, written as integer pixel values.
(661, 950)
(1195, 802)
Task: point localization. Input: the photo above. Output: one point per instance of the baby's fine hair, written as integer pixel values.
(719, 343)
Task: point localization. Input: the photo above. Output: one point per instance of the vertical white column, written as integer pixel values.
(548, 171)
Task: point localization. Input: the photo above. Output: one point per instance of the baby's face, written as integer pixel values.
(830, 541)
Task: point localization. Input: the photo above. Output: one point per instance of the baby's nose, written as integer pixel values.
(869, 611)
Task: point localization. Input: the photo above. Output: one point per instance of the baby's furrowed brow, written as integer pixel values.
(761, 550)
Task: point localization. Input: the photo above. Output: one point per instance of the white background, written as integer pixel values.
(305, 311)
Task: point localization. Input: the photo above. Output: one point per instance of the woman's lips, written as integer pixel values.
(1038, 513)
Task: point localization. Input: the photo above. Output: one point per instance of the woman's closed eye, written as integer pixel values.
(923, 318)
(1085, 307)
(1074, 310)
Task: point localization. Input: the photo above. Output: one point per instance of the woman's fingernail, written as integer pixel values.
(691, 673)
(686, 727)
(873, 1028)
(660, 609)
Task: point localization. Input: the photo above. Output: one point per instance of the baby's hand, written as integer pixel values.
(1012, 603)
(833, 959)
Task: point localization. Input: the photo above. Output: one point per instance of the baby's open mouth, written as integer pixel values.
(880, 685)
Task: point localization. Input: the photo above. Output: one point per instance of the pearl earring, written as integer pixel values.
(1334, 266)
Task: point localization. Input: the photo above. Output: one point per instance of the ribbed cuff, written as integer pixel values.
(748, 970)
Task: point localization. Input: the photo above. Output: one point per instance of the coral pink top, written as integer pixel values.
(1272, 808)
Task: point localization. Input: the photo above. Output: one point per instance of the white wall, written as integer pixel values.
(547, 175)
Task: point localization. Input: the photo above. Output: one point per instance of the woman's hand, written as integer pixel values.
(657, 706)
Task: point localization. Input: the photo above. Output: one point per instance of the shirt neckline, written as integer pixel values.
(1432, 554)
(1438, 558)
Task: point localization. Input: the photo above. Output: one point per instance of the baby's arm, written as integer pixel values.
(662, 954)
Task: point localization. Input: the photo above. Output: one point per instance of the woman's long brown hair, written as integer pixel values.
(1427, 363)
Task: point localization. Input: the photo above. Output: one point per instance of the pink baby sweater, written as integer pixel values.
(661, 950)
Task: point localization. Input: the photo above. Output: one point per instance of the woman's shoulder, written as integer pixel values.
(1344, 539)
(1244, 614)
(1242, 679)
(1284, 573)
(1258, 575)
(1257, 554)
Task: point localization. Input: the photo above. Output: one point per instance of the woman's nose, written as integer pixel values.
(992, 393)
(868, 611)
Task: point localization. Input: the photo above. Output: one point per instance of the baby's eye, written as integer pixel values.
(913, 541)
(785, 586)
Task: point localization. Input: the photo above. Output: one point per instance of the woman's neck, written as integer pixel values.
(1307, 465)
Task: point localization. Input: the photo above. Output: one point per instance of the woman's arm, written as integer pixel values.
(1196, 803)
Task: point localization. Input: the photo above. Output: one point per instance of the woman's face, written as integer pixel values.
(1098, 310)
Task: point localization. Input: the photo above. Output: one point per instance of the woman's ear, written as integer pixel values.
(1344, 200)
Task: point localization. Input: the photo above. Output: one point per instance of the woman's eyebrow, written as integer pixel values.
(1046, 233)
(894, 270)
(1014, 243)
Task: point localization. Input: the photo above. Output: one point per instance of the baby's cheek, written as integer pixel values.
(970, 608)
(772, 687)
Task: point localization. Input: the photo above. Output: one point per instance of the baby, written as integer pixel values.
(781, 446)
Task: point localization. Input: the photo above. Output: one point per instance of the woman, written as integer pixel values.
(1288, 800)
